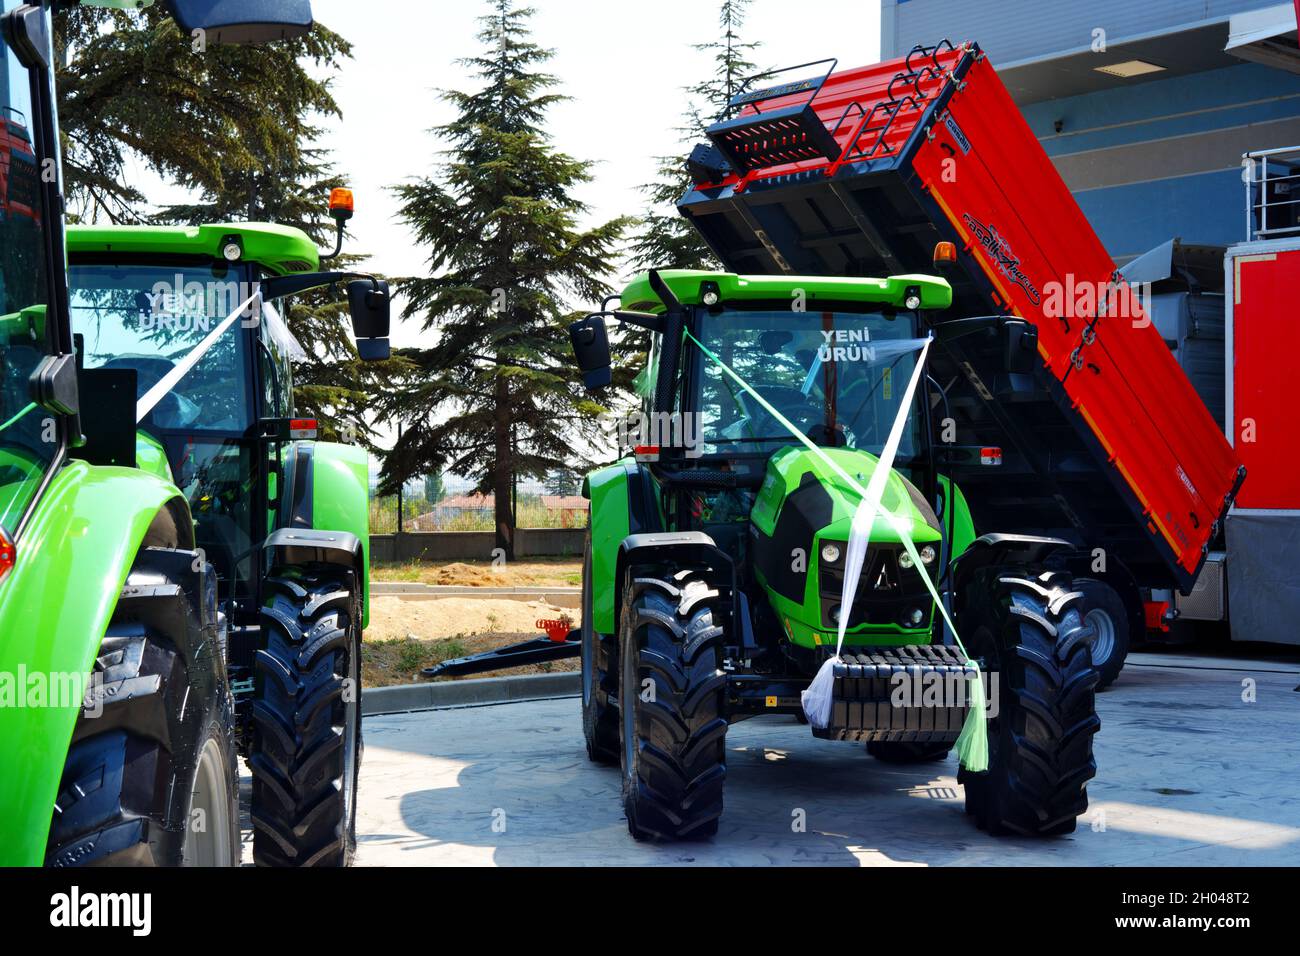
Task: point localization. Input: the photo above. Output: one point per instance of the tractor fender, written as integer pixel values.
(73, 558)
(691, 548)
(327, 488)
(1012, 549)
(623, 500)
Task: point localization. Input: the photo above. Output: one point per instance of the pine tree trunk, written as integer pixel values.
(504, 468)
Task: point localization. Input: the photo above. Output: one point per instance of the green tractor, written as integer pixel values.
(714, 572)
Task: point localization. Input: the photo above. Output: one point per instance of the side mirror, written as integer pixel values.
(241, 21)
(1019, 347)
(591, 349)
(369, 304)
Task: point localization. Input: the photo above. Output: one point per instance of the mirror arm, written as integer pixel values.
(959, 328)
(275, 287)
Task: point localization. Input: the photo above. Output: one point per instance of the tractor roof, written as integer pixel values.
(279, 249)
(685, 283)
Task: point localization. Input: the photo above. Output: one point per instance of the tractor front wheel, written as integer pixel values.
(1027, 626)
(671, 698)
(306, 748)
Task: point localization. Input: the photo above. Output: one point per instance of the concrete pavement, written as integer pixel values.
(1192, 771)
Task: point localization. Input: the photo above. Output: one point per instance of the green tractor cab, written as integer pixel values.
(715, 571)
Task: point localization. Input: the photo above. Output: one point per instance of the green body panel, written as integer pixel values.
(150, 457)
(785, 472)
(685, 283)
(610, 524)
(340, 501)
(278, 249)
(25, 325)
(963, 527)
(55, 605)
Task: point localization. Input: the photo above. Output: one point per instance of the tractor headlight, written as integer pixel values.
(928, 554)
(231, 251)
(915, 617)
(905, 561)
(835, 614)
(830, 553)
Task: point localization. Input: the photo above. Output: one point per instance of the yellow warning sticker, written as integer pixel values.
(770, 702)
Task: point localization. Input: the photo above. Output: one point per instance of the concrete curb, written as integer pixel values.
(437, 695)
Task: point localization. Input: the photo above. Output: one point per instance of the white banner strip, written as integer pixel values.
(165, 384)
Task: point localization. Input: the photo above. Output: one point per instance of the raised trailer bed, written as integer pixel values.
(1106, 443)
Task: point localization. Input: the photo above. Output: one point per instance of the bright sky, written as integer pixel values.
(622, 61)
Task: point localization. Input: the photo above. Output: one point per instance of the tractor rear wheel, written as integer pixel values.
(1103, 610)
(671, 697)
(306, 747)
(599, 720)
(1027, 625)
(151, 776)
(905, 752)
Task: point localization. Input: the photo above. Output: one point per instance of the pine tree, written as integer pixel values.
(213, 120)
(434, 487)
(665, 239)
(245, 147)
(495, 396)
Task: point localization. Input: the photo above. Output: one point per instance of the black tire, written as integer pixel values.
(1104, 611)
(906, 752)
(306, 747)
(1027, 626)
(159, 706)
(673, 745)
(599, 719)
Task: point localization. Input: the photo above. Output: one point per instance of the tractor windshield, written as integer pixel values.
(156, 318)
(838, 376)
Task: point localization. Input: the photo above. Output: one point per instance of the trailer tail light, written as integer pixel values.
(1157, 614)
(646, 452)
(8, 553)
(300, 428)
(990, 456)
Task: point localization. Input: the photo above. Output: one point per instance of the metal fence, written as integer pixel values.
(459, 508)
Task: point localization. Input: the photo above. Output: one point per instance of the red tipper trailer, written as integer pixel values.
(862, 172)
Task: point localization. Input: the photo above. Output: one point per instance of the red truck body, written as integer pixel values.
(1109, 444)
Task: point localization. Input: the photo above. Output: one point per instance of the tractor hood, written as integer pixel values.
(802, 507)
(792, 470)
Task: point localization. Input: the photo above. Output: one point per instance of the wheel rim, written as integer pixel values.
(1103, 641)
(351, 716)
(211, 845)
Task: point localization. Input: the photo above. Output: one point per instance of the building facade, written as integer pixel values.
(1145, 108)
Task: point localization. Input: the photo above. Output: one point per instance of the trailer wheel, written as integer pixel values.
(599, 720)
(1026, 625)
(1104, 612)
(151, 778)
(672, 707)
(906, 752)
(306, 746)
